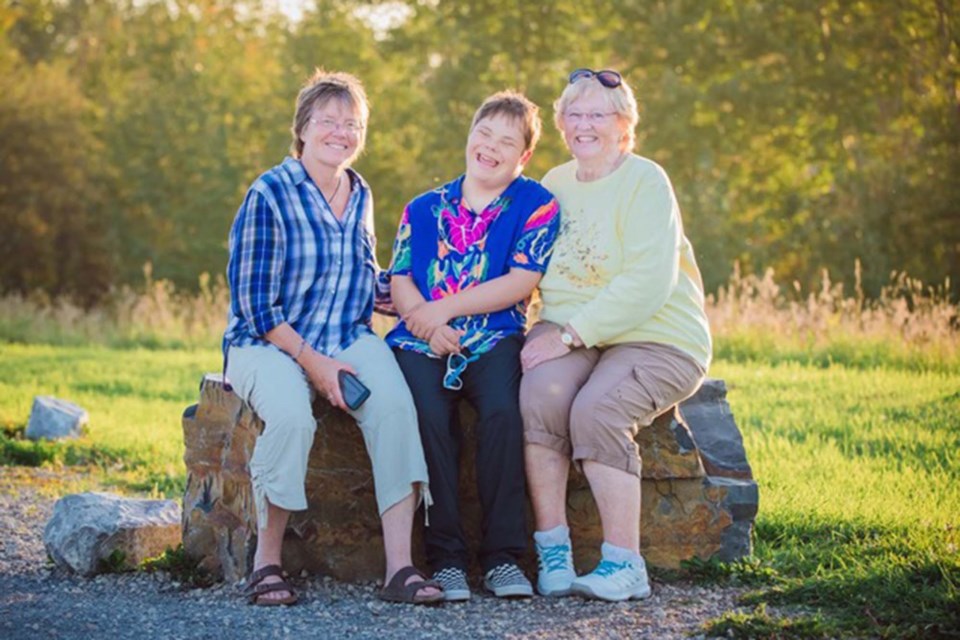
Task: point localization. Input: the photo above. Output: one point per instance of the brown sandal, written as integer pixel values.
(397, 591)
(256, 587)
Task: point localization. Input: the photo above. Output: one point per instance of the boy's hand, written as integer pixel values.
(445, 340)
(425, 318)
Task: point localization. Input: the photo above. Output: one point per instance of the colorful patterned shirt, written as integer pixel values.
(447, 248)
(292, 260)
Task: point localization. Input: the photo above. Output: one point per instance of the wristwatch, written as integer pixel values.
(566, 338)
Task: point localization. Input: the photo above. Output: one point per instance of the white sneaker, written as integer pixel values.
(614, 581)
(556, 569)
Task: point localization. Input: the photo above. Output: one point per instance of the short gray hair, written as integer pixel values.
(621, 100)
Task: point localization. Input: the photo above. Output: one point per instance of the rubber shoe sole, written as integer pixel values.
(456, 595)
(640, 593)
(510, 591)
(554, 593)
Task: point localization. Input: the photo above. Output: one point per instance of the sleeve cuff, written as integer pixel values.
(266, 320)
(588, 336)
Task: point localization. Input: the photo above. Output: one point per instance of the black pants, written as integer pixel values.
(492, 385)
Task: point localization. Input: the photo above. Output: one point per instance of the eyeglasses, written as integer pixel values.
(456, 364)
(328, 124)
(607, 77)
(594, 117)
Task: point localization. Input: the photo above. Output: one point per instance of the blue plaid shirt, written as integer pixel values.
(292, 261)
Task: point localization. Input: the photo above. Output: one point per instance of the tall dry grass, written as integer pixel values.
(908, 324)
(752, 318)
(154, 315)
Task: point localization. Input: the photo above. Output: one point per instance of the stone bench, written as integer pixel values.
(699, 497)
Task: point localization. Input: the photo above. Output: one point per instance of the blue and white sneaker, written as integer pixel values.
(556, 569)
(614, 581)
(454, 583)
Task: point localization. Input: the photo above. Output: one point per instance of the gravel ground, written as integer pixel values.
(37, 601)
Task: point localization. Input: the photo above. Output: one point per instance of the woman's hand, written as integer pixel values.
(445, 340)
(323, 374)
(426, 318)
(544, 347)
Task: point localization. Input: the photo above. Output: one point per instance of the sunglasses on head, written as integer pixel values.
(607, 77)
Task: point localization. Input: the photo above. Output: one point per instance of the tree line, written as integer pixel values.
(800, 135)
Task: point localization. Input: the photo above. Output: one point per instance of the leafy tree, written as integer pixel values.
(52, 236)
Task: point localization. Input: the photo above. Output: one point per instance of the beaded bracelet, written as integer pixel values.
(303, 344)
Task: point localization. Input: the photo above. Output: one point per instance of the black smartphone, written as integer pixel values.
(354, 392)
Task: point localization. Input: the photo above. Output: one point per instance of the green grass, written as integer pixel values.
(859, 523)
(859, 520)
(135, 398)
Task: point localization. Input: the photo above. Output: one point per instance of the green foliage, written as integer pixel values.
(748, 571)
(859, 500)
(51, 191)
(799, 137)
(17, 450)
(901, 582)
(760, 625)
(134, 397)
(116, 562)
(181, 568)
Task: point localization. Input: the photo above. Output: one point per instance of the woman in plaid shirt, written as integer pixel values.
(303, 276)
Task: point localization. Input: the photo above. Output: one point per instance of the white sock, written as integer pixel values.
(560, 534)
(620, 554)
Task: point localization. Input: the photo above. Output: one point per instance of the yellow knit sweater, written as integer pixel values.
(622, 269)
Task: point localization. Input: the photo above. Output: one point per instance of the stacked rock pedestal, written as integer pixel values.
(696, 503)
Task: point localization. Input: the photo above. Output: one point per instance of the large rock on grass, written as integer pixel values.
(696, 503)
(53, 419)
(91, 533)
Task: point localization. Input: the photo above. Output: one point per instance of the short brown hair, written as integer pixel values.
(318, 90)
(517, 107)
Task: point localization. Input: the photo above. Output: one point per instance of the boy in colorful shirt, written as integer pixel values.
(466, 258)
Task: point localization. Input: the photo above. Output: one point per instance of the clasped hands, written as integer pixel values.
(428, 321)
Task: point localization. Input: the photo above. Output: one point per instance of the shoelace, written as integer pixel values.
(554, 558)
(607, 568)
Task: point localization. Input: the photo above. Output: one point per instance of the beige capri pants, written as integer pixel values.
(278, 390)
(590, 403)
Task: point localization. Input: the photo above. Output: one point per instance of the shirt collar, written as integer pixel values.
(298, 173)
(452, 192)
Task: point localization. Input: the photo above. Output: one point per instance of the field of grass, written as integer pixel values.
(859, 523)
(859, 515)
(849, 409)
(135, 398)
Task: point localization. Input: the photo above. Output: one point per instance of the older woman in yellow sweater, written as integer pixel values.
(622, 335)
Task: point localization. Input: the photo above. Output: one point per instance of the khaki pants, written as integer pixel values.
(590, 403)
(278, 390)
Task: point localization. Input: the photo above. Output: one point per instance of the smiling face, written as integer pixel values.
(334, 134)
(592, 129)
(495, 151)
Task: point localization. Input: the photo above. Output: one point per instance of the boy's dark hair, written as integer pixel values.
(515, 106)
